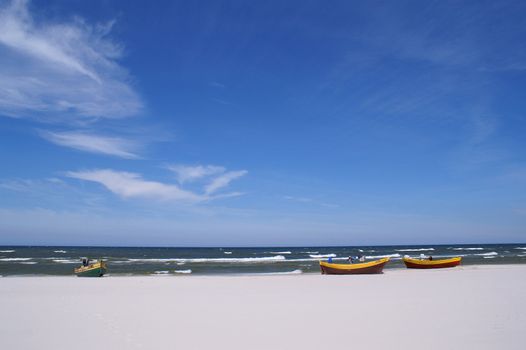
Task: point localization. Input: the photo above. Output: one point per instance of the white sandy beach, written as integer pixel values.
(473, 307)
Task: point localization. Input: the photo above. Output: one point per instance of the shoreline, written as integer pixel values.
(387, 270)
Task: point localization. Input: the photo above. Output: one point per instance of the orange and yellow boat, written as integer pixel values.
(370, 267)
(411, 263)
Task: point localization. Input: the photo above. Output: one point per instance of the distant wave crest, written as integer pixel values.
(475, 248)
(65, 261)
(415, 250)
(487, 254)
(213, 260)
(319, 256)
(383, 256)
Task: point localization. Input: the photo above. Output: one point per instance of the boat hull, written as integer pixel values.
(97, 269)
(373, 267)
(431, 264)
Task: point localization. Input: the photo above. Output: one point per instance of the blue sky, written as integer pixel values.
(224, 123)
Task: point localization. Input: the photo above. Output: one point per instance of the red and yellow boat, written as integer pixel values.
(370, 267)
(411, 263)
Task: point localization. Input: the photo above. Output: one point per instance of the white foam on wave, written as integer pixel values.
(164, 272)
(474, 248)
(415, 250)
(183, 271)
(227, 253)
(29, 262)
(7, 251)
(65, 261)
(15, 259)
(487, 254)
(383, 256)
(489, 257)
(312, 259)
(319, 256)
(360, 250)
(60, 251)
(310, 252)
(214, 260)
(285, 252)
(524, 248)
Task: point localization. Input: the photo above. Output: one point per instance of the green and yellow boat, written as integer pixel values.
(97, 269)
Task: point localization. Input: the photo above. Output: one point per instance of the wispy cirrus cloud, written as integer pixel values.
(133, 185)
(187, 173)
(113, 146)
(62, 72)
(310, 201)
(216, 176)
(223, 180)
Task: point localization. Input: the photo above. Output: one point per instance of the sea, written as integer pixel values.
(167, 261)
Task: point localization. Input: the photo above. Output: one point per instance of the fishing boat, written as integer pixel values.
(96, 269)
(411, 263)
(370, 267)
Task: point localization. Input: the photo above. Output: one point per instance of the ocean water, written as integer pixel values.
(24, 260)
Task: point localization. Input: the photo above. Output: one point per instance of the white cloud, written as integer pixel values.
(223, 180)
(310, 201)
(60, 71)
(113, 146)
(131, 185)
(187, 173)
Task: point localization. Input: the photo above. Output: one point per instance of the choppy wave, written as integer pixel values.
(312, 259)
(213, 260)
(474, 248)
(60, 251)
(164, 272)
(65, 261)
(183, 271)
(28, 262)
(316, 252)
(383, 256)
(524, 248)
(227, 252)
(15, 259)
(487, 254)
(285, 252)
(319, 256)
(415, 250)
(7, 251)
(489, 257)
